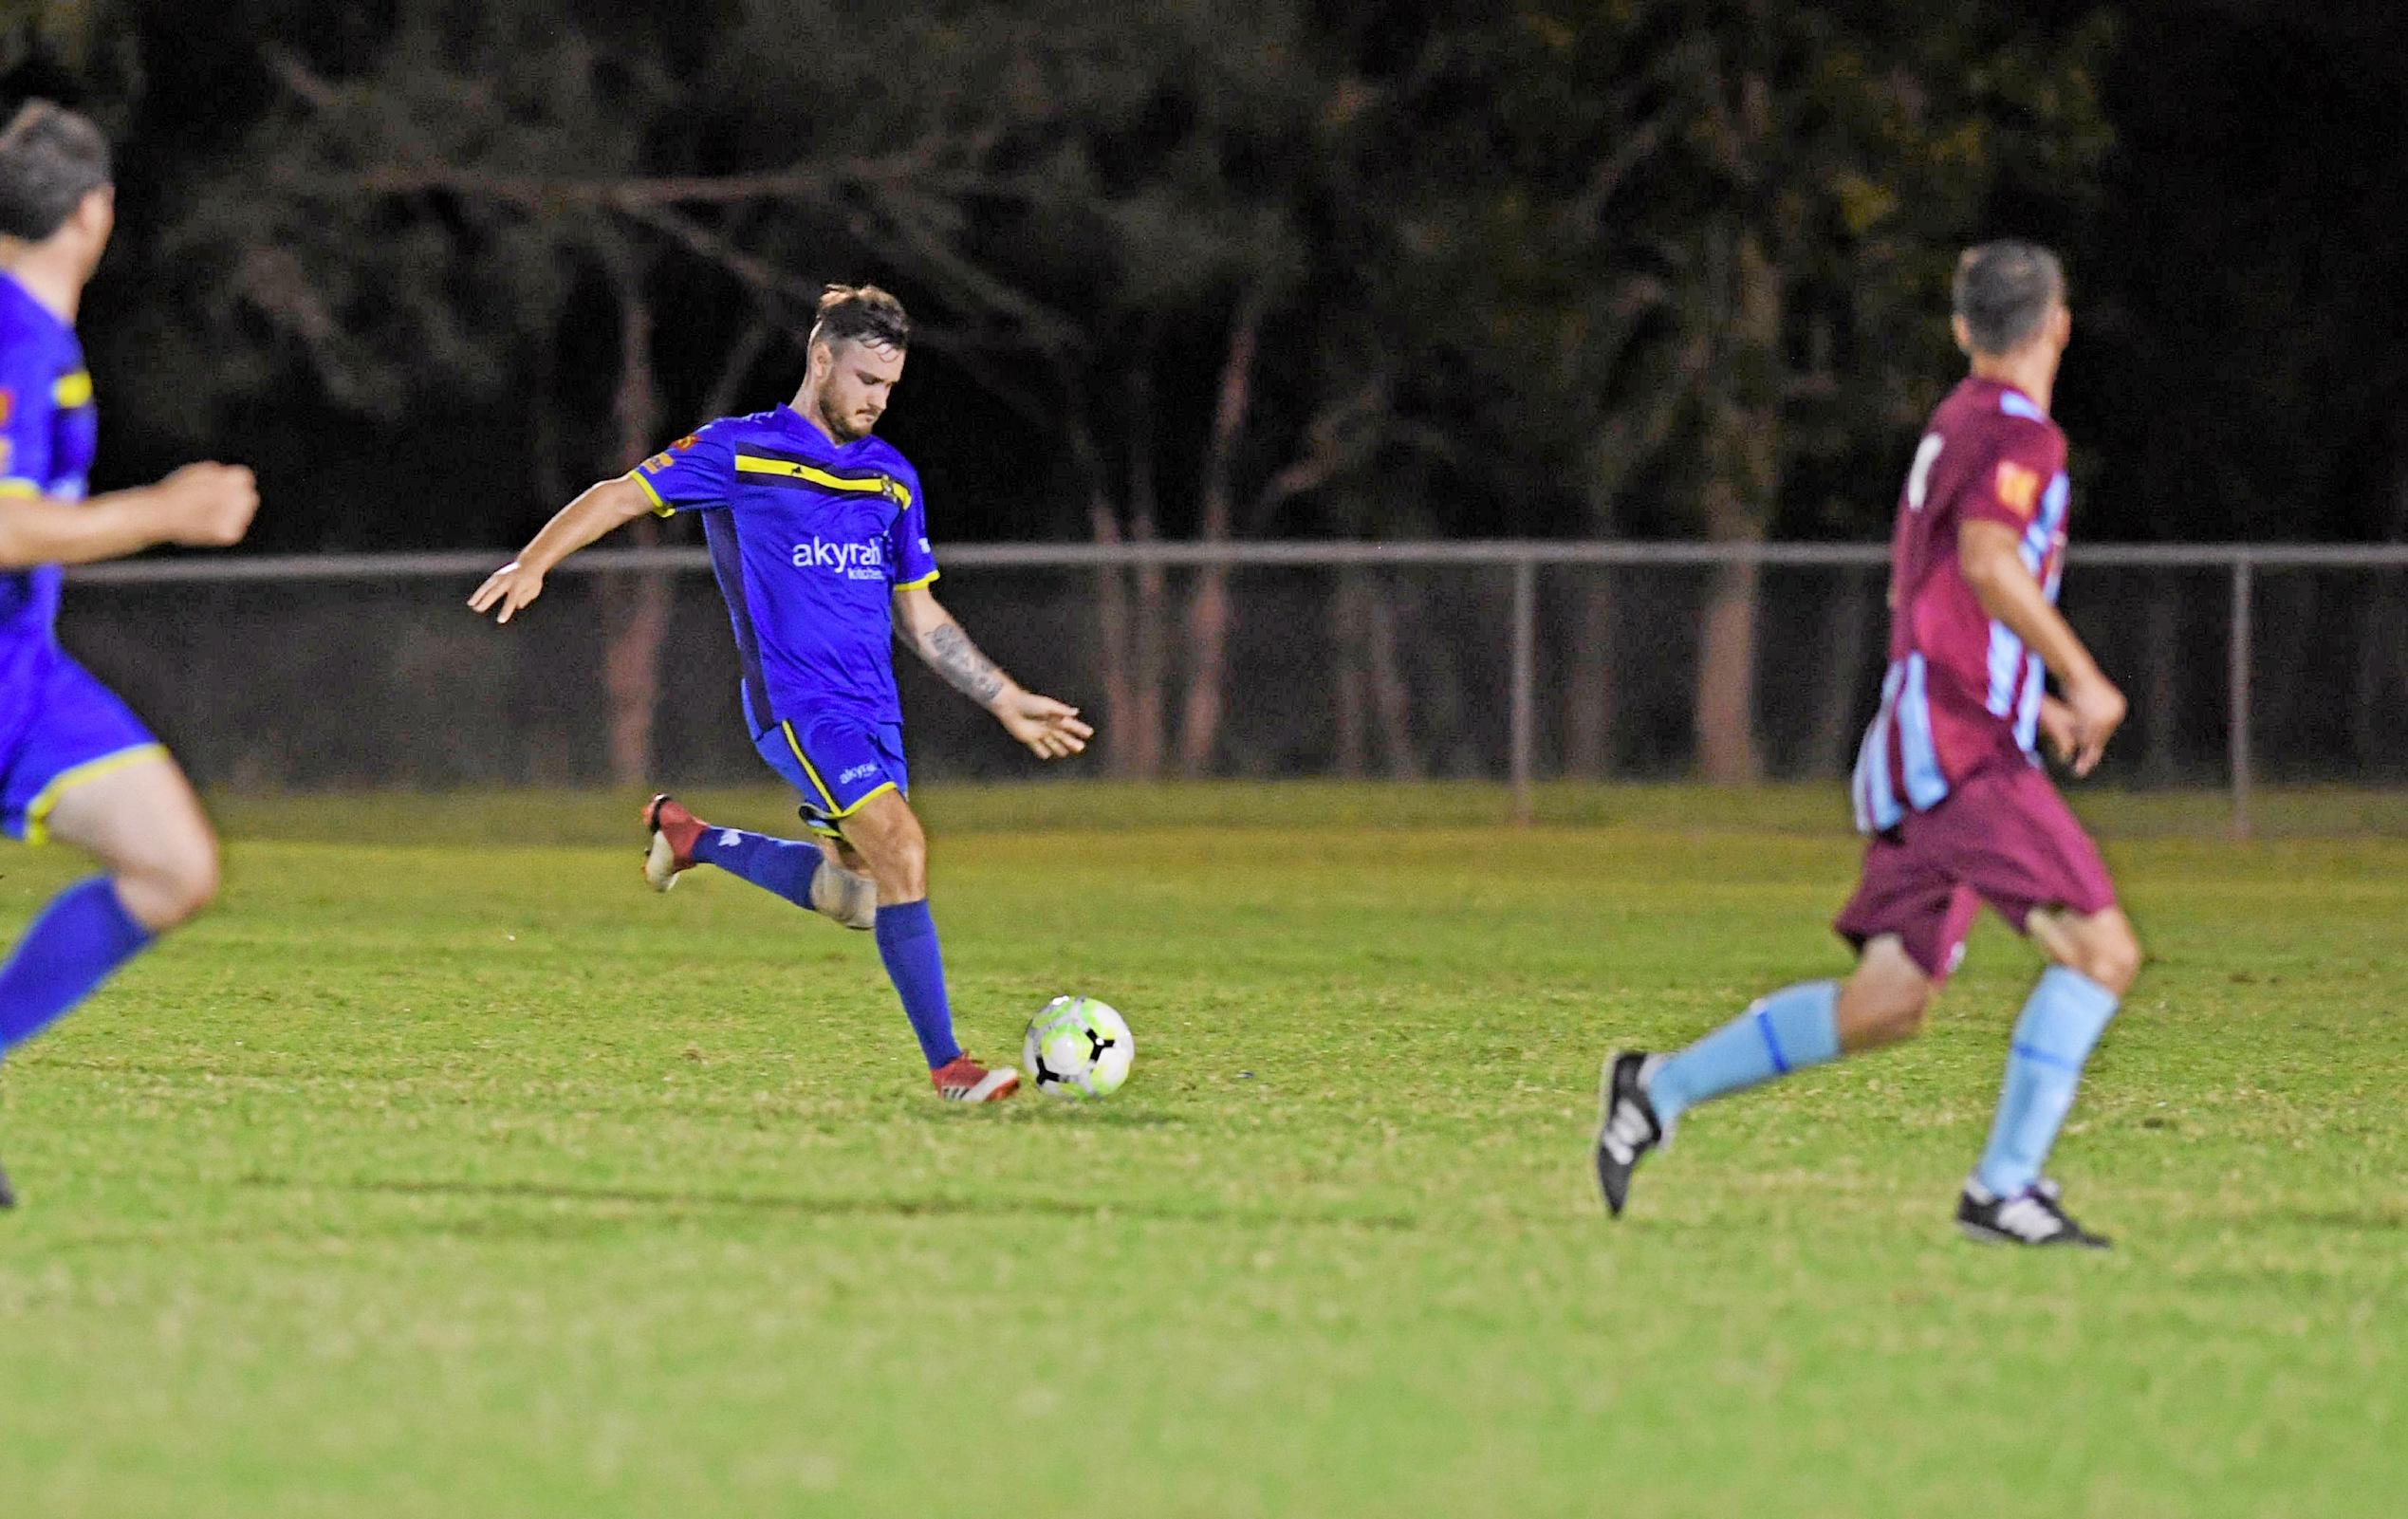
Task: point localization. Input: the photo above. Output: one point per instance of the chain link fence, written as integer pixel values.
(1512, 661)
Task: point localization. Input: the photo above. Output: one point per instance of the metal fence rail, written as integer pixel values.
(1522, 560)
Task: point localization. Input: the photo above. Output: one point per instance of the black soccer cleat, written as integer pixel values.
(1626, 1123)
(8, 1198)
(2032, 1216)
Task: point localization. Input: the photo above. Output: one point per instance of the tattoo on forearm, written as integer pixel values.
(950, 653)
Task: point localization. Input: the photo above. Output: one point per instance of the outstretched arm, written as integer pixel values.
(200, 506)
(602, 509)
(1050, 729)
(2093, 709)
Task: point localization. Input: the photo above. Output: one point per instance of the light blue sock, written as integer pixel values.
(83, 935)
(1794, 1027)
(907, 943)
(779, 865)
(2066, 1014)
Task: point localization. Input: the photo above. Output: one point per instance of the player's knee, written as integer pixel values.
(2111, 956)
(172, 886)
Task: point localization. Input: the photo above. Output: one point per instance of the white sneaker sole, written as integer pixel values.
(660, 863)
(998, 1086)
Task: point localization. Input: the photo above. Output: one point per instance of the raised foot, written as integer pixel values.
(674, 831)
(1626, 1123)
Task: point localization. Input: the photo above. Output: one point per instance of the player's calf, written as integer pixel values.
(1887, 999)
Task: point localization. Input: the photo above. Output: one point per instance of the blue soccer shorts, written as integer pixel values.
(59, 728)
(837, 764)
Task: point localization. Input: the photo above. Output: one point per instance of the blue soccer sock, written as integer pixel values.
(1794, 1027)
(2066, 1014)
(907, 943)
(785, 866)
(83, 935)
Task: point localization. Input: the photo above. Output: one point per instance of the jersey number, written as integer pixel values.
(1917, 479)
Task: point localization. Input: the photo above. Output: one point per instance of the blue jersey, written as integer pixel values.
(811, 539)
(47, 430)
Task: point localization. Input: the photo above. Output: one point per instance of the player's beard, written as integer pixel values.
(840, 425)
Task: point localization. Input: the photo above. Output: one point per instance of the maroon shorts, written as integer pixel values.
(2002, 836)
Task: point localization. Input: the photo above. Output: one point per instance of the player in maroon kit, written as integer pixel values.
(1948, 784)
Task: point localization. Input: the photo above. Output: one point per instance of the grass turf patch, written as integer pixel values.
(443, 1170)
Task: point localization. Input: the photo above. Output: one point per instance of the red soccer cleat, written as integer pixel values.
(963, 1080)
(674, 832)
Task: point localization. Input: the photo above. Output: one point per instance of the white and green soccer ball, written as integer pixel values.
(1078, 1047)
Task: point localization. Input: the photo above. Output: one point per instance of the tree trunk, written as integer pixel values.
(1112, 618)
(1149, 702)
(1742, 468)
(1390, 697)
(1207, 608)
(1589, 704)
(1348, 638)
(636, 606)
(1837, 722)
(2162, 633)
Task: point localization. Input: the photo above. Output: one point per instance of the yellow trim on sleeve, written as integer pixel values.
(37, 813)
(13, 486)
(70, 391)
(659, 507)
(884, 484)
(915, 585)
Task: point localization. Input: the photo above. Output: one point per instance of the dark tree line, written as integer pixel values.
(1242, 268)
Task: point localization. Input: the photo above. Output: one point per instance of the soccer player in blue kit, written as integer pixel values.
(819, 537)
(75, 763)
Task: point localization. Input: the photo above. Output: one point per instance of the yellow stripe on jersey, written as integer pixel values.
(659, 507)
(877, 485)
(795, 744)
(19, 488)
(70, 391)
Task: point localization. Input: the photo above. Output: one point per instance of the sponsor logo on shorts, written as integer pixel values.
(861, 560)
(859, 773)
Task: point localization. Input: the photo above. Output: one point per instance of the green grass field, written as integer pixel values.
(444, 1171)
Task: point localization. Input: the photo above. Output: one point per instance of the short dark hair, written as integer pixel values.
(2004, 291)
(862, 313)
(50, 158)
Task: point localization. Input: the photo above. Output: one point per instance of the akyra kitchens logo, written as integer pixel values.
(864, 561)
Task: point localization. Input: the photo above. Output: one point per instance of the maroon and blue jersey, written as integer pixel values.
(811, 539)
(48, 432)
(1962, 692)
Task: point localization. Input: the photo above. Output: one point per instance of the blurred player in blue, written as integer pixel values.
(819, 537)
(75, 765)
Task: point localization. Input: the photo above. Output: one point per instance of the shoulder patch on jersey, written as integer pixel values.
(2018, 488)
(2015, 403)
